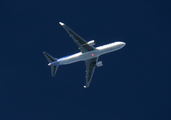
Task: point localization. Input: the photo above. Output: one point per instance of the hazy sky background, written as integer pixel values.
(133, 84)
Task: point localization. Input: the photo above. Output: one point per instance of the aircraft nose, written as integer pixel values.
(121, 44)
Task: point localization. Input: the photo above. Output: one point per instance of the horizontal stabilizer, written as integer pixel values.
(49, 57)
(53, 70)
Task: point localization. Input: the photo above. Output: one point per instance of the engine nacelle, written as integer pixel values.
(99, 64)
(91, 43)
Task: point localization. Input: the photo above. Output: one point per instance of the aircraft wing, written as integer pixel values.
(90, 68)
(82, 44)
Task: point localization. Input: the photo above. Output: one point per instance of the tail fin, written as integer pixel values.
(50, 60)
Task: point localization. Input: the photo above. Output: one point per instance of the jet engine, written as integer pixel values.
(91, 43)
(99, 64)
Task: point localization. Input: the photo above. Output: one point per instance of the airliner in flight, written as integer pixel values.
(89, 54)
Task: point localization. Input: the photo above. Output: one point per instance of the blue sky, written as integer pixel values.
(134, 82)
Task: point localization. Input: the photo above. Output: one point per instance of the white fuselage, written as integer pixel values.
(91, 54)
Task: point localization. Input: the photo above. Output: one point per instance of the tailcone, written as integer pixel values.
(55, 63)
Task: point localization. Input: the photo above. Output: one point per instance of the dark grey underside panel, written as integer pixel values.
(82, 44)
(53, 70)
(49, 57)
(90, 68)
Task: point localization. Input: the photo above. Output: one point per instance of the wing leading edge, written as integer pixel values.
(82, 44)
(90, 68)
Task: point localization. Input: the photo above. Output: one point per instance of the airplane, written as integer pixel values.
(89, 54)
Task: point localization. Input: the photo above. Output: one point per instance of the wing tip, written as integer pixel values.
(61, 23)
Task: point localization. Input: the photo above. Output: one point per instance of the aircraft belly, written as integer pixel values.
(90, 55)
(107, 49)
(69, 60)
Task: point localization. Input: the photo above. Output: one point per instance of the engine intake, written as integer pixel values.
(99, 64)
(91, 43)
